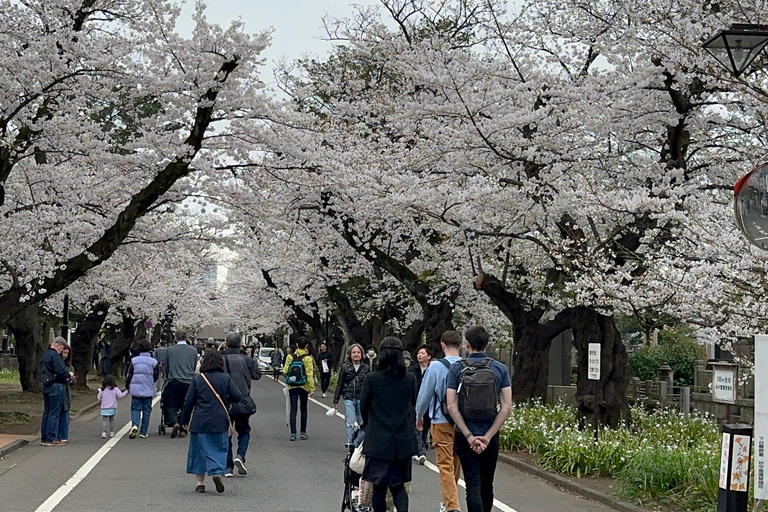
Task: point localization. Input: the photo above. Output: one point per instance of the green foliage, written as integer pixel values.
(8, 375)
(662, 458)
(678, 351)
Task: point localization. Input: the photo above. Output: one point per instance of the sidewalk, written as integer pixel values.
(8, 443)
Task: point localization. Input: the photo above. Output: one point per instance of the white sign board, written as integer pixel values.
(593, 365)
(724, 383)
(725, 453)
(761, 416)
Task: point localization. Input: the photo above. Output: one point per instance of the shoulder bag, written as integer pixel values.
(246, 406)
(231, 430)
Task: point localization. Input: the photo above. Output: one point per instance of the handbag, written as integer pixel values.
(246, 406)
(357, 460)
(231, 429)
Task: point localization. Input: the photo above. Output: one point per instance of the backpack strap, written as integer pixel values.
(445, 362)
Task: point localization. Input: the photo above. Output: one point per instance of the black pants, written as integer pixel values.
(325, 381)
(479, 470)
(399, 498)
(298, 395)
(173, 399)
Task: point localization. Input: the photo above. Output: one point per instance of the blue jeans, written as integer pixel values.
(53, 408)
(351, 416)
(63, 426)
(141, 408)
(243, 428)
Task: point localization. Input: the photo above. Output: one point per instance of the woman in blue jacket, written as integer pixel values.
(208, 396)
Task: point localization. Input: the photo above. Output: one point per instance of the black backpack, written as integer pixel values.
(478, 390)
(297, 373)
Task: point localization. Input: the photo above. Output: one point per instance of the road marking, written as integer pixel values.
(496, 503)
(54, 499)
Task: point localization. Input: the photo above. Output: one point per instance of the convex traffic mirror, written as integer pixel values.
(751, 205)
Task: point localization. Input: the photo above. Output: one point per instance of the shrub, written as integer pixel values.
(680, 353)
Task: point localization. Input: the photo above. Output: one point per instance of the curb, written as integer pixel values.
(85, 410)
(20, 443)
(570, 485)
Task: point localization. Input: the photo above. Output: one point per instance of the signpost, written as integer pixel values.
(761, 419)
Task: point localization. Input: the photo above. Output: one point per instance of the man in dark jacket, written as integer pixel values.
(55, 377)
(179, 363)
(325, 364)
(242, 369)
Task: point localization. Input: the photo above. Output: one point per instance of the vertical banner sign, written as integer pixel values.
(761, 415)
(725, 453)
(593, 365)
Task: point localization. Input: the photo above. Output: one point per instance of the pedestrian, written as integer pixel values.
(423, 358)
(387, 405)
(407, 360)
(276, 361)
(478, 416)
(208, 394)
(350, 386)
(242, 370)
(143, 372)
(430, 404)
(325, 364)
(63, 431)
(54, 377)
(180, 362)
(372, 360)
(105, 355)
(299, 370)
(109, 394)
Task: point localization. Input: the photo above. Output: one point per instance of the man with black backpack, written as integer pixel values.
(432, 401)
(479, 399)
(242, 369)
(299, 371)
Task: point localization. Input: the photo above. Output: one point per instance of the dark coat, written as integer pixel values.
(54, 370)
(210, 417)
(415, 369)
(327, 356)
(387, 407)
(350, 382)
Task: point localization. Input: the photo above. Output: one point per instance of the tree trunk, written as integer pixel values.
(84, 340)
(345, 313)
(30, 345)
(530, 361)
(123, 340)
(602, 402)
(438, 318)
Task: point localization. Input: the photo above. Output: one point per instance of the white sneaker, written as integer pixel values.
(103, 435)
(323, 395)
(422, 459)
(111, 434)
(442, 507)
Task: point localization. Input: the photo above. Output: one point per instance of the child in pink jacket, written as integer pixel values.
(109, 394)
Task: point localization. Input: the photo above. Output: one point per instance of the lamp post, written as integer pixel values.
(736, 47)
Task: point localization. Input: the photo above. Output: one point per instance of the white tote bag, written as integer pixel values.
(357, 461)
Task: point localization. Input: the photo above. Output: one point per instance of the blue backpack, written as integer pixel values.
(297, 373)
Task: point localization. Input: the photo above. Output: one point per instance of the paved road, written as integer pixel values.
(148, 474)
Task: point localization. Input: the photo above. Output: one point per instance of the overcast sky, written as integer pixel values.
(298, 24)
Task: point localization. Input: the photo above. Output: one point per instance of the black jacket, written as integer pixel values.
(350, 382)
(327, 356)
(241, 368)
(210, 417)
(54, 371)
(415, 369)
(387, 407)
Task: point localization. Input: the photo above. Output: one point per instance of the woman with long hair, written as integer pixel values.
(350, 385)
(63, 434)
(387, 406)
(209, 395)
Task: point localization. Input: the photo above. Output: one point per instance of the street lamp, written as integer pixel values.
(738, 46)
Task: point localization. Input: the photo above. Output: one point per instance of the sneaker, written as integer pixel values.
(103, 435)
(241, 470)
(323, 395)
(303, 436)
(442, 507)
(200, 488)
(111, 434)
(422, 459)
(47, 443)
(134, 431)
(219, 483)
(59, 443)
(143, 436)
(182, 433)
(229, 473)
(293, 437)
(175, 431)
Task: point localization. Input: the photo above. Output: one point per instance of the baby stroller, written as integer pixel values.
(163, 420)
(350, 501)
